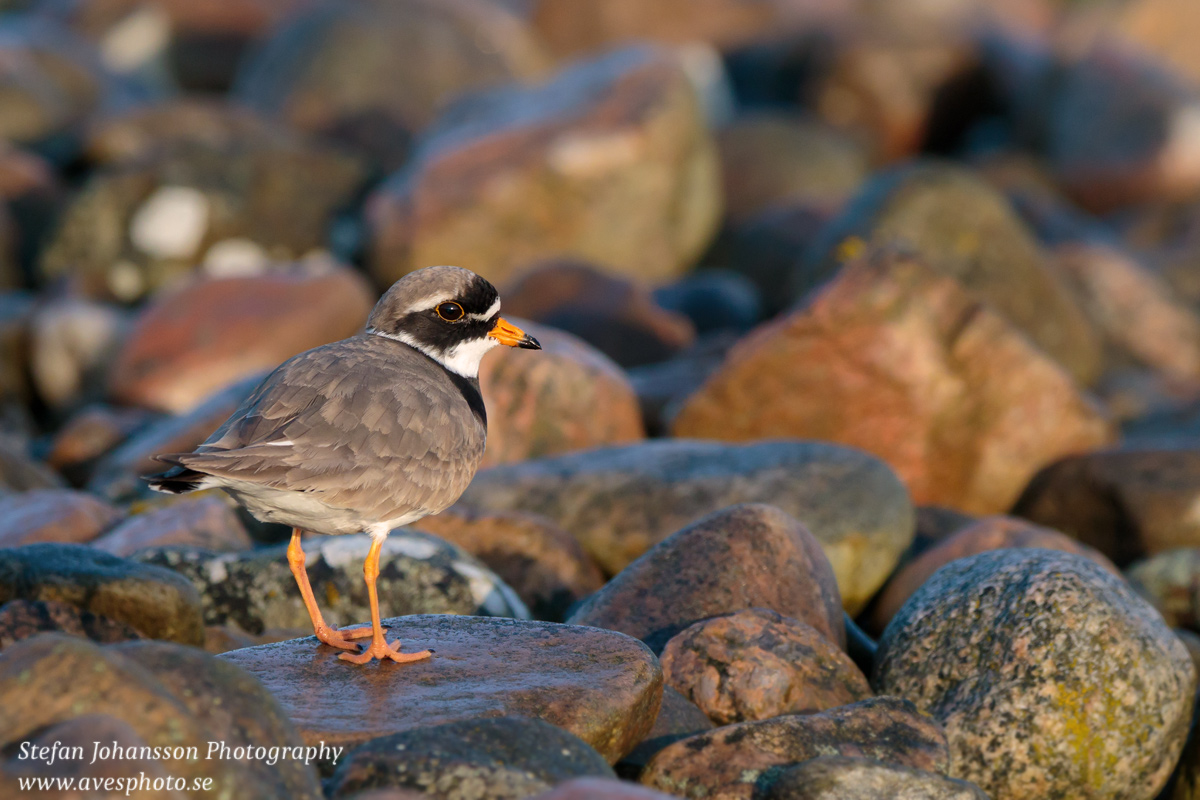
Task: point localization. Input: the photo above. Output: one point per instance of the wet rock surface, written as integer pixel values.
(620, 501)
(1049, 674)
(419, 574)
(154, 601)
(601, 686)
(910, 367)
(745, 556)
(511, 757)
(739, 761)
(757, 664)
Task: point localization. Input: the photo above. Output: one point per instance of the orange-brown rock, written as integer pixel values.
(772, 159)
(602, 686)
(53, 515)
(166, 696)
(757, 664)
(1135, 310)
(610, 162)
(902, 362)
(989, 533)
(744, 556)
(375, 74)
(725, 764)
(619, 317)
(207, 521)
(1165, 28)
(963, 228)
(566, 397)
(190, 343)
(545, 565)
(1126, 503)
(20, 619)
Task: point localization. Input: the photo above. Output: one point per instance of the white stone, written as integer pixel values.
(171, 223)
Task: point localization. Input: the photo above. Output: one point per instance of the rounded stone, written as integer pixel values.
(741, 557)
(53, 515)
(1052, 678)
(757, 664)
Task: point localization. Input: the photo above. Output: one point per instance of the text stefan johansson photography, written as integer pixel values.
(216, 751)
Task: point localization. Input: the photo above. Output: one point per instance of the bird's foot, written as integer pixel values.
(341, 639)
(380, 649)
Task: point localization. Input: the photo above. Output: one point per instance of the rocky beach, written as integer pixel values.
(861, 457)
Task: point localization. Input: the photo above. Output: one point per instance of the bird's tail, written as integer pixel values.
(177, 480)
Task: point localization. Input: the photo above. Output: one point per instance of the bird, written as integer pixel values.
(363, 435)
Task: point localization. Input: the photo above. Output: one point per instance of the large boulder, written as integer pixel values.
(603, 687)
(610, 162)
(897, 359)
(1051, 677)
(742, 557)
(619, 501)
(848, 778)
(963, 229)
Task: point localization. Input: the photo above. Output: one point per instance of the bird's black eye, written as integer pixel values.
(451, 312)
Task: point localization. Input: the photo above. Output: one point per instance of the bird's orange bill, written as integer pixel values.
(508, 334)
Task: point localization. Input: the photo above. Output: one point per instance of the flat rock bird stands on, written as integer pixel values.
(366, 434)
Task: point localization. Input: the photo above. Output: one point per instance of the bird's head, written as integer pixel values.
(450, 314)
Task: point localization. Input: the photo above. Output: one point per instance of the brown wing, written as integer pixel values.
(367, 423)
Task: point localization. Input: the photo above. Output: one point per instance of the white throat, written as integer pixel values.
(462, 359)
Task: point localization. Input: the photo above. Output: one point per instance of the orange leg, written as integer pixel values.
(328, 635)
(379, 648)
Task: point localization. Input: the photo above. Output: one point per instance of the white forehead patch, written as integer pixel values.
(491, 312)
